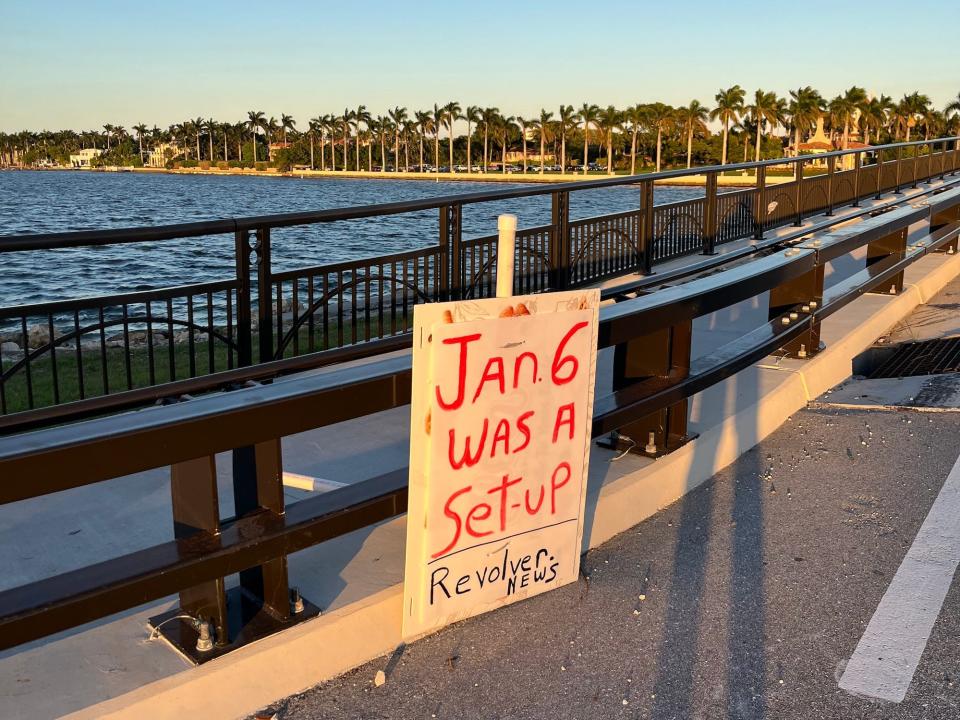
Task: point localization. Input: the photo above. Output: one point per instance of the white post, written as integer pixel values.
(506, 242)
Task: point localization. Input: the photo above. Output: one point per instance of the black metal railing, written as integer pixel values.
(91, 354)
(651, 328)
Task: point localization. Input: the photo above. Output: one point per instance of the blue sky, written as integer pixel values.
(83, 64)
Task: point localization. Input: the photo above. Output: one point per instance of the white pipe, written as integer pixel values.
(506, 244)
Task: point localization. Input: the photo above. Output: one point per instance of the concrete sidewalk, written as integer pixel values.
(743, 600)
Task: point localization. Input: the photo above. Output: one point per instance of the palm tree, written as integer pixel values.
(313, 127)
(196, 126)
(635, 115)
(140, 130)
(588, 116)
(108, 131)
(287, 123)
(398, 116)
(437, 117)
(729, 106)
(382, 127)
(489, 116)
(765, 108)
(694, 119)
(358, 116)
(805, 108)
(424, 125)
(523, 124)
(543, 128)
(255, 120)
(567, 117)
(211, 126)
(608, 121)
(451, 113)
(661, 118)
(472, 116)
(873, 115)
(953, 107)
(504, 125)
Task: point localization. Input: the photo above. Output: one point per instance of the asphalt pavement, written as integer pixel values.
(744, 600)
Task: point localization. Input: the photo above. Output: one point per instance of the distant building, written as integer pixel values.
(83, 158)
(161, 153)
(819, 143)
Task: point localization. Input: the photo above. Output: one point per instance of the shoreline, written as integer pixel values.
(494, 177)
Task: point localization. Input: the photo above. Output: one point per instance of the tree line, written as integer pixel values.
(401, 140)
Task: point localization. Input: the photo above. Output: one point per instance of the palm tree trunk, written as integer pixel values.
(450, 139)
(586, 145)
(846, 133)
(563, 152)
(610, 152)
(486, 146)
(723, 152)
(757, 151)
(503, 155)
(469, 153)
(541, 150)
(311, 152)
(633, 152)
(796, 141)
(421, 152)
(659, 146)
(406, 155)
(323, 146)
(396, 151)
(254, 147)
(689, 146)
(524, 151)
(225, 158)
(211, 146)
(436, 150)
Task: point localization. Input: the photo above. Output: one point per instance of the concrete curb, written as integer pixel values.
(733, 417)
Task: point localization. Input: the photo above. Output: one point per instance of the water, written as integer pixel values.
(34, 202)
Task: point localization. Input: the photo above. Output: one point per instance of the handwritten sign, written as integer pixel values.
(500, 438)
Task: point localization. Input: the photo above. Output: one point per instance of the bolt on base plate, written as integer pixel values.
(247, 620)
(619, 444)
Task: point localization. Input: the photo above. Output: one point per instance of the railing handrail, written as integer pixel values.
(38, 241)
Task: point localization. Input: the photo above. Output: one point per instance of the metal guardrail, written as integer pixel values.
(653, 378)
(91, 355)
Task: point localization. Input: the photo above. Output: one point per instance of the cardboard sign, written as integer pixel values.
(501, 412)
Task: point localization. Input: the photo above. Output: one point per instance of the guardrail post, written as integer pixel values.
(560, 240)
(896, 188)
(242, 253)
(196, 518)
(451, 236)
(759, 206)
(798, 193)
(662, 354)
(646, 234)
(915, 165)
(258, 487)
(892, 245)
(943, 159)
(942, 219)
(264, 300)
(879, 162)
(831, 175)
(801, 296)
(857, 162)
(710, 215)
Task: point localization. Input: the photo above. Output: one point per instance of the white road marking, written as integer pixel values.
(887, 656)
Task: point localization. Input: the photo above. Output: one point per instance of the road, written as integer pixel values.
(744, 600)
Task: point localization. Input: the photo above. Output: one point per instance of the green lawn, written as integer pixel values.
(99, 377)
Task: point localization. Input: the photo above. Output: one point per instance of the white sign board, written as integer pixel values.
(501, 413)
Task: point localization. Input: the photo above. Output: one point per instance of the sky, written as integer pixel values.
(69, 64)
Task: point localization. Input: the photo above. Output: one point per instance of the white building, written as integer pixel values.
(83, 158)
(161, 153)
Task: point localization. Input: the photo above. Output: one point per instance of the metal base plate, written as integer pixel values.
(247, 620)
(608, 442)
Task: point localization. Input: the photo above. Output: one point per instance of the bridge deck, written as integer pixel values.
(122, 515)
